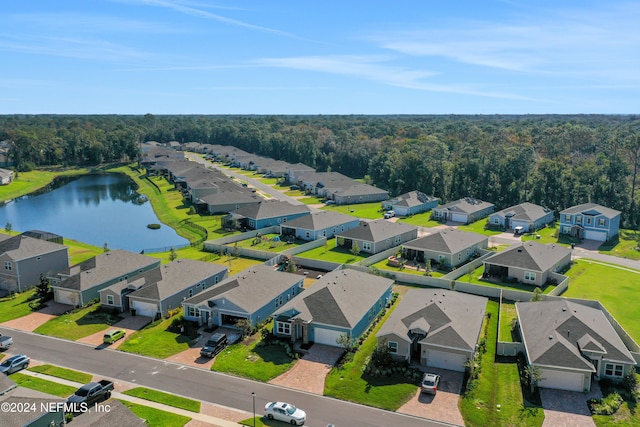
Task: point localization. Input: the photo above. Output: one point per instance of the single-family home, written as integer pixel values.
(357, 193)
(24, 259)
(340, 188)
(319, 224)
(265, 214)
(437, 327)
(6, 176)
(590, 221)
(226, 200)
(162, 289)
(524, 217)
(530, 262)
(465, 210)
(571, 344)
(44, 409)
(342, 302)
(376, 236)
(410, 203)
(252, 294)
(81, 283)
(293, 172)
(448, 248)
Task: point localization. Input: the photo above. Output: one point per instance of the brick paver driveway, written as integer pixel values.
(32, 321)
(130, 324)
(309, 373)
(444, 405)
(568, 408)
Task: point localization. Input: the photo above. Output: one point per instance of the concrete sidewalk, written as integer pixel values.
(198, 416)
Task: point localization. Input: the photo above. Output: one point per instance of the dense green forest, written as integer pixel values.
(556, 161)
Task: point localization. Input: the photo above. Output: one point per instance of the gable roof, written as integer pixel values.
(448, 241)
(553, 331)
(466, 205)
(377, 231)
(176, 277)
(22, 247)
(250, 289)
(320, 220)
(454, 319)
(117, 415)
(412, 198)
(524, 211)
(358, 189)
(270, 209)
(6, 384)
(530, 255)
(340, 298)
(591, 209)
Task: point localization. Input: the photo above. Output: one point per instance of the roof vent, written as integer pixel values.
(564, 308)
(519, 249)
(550, 337)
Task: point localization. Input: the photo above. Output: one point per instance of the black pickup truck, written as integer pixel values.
(91, 393)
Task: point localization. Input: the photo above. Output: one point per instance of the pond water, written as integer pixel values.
(95, 209)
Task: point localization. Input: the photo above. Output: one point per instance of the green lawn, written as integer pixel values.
(331, 252)
(614, 287)
(625, 246)
(350, 383)
(237, 264)
(361, 210)
(156, 417)
(256, 361)
(475, 278)
(293, 193)
(12, 307)
(164, 398)
(45, 386)
(497, 384)
(78, 324)
(507, 315)
(261, 421)
(64, 373)
(422, 219)
(28, 182)
(626, 416)
(155, 340)
(383, 265)
(79, 251)
(266, 243)
(479, 227)
(311, 200)
(548, 234)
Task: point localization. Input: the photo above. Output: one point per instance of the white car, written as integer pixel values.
(286, 412)
(389, 214)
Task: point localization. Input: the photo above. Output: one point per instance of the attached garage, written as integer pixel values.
(67, 297)
(446, 360)
(458, 217)
(561, 380)
(595, 235)
(326, 336)
(147, 309)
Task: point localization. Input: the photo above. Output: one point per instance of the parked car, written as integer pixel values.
(113, 335)
(389, 214)
(286, 412)
(430, 383)
(5, 342)
(14, 364)
(214, 345)
(330, 202)
(91, 393)
(294, 187)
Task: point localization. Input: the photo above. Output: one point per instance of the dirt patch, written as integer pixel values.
(29, 322)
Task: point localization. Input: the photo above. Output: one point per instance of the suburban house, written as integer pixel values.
(376, 236)
(319, 224)
(411, 203)
(264, 214)
(162, 289)
(253, 294)
(437, 328)
(25, 259)
(226, 200)
(590, 221)
(44, 409)
(342, 302)
(293, 172)
(571, 343)
(531, 263)
(357, 193)
(339, 188)
(465, 210)
(6, 176)
(80, 284)
(448, 248)
(523, 217)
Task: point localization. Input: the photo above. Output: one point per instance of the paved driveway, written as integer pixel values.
(309, 373)
(130, 324)
(32, 321)
(444, 405)
(568, 408)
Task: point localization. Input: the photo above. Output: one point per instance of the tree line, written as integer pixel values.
(553, 160)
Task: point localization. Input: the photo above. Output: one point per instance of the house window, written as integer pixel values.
(252, 223)
(324, 233)
(393, 347)
(578, 219)
(280, 220)
(293, 291)
(366, 246)
(284, 328)
(602, 222)
(38, 258)
(342, 228)
(589, 220)
(190, 293)
(612, 370)
(199, 285)
(110, 300)
(279, 301)
(496, 220)
(397, 240)
(567, 218)
(284, 219)
(8, 265)
(193, 311)
(308, 235)
(529, 275)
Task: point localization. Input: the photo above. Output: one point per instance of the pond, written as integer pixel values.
(95, 209)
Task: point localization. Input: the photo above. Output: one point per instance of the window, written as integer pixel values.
(589, 220)
(280, 220)
(293, 291)
(216, 279)
(8, 265)
(284, 219)
(578, 219)
(38, 258)
(199, 285)
(496, 220)
(567, 218)
(366, 246)
(284, 328)
(279, 301)
(397, 240)
(193, 311)
(529, 275)
(190, 293)
(252, 223)
(110, 300)
(602, 222)
(393, 347)
(612, 370)
(308, 234)
(324, 233)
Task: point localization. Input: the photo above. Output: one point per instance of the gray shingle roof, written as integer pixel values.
(552, 331)
(377, 231)
(466, 205)
(411, 199)
(531, 255)
(452, 319)
(22, 247)
(359, 189)
(117, 415)
(270, 209)
(448, 241)
(591, 209)
(524, 211)
(320, 220)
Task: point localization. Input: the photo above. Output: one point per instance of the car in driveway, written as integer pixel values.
(389, 214)
(286, 412)
(430, 383)
(14, 364)
(113, 335)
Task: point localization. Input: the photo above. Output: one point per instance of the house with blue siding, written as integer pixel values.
(341, 302)
(253, 294)
(319, 224)
(265, 214)
(411, 203)
(527, 216)
(590, 221)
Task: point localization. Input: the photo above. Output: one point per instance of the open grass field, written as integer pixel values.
(362, 210)
(78, 324)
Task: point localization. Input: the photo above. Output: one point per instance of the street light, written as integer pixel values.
(253, 395)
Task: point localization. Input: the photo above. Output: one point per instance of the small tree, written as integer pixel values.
(453, 285)
(291, 266)
(236, 251)
(345, 341)
(43, 290)
(8, 227)
(532, 374)
(355, 249)
(244, 325)
(173, 255)
(537, 295)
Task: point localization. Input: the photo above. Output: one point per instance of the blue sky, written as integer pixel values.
(319, 57)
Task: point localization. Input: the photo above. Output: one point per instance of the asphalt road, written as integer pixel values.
(202, 384)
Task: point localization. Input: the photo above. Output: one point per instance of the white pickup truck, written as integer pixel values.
(5, 342)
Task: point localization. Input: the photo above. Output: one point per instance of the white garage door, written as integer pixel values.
(444, 360)
(561, 380)
(144, 308)
(595, 235)
(67, 297)
(456, 217)
(326, 336)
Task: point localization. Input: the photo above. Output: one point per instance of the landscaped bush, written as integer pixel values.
(608, 405)
(153, 226)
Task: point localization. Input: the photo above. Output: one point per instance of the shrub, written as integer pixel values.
(608, 405)
(153, 226)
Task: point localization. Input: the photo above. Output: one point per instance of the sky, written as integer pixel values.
(319, 57)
